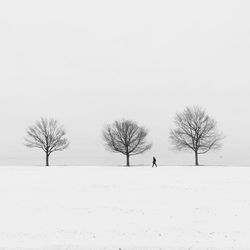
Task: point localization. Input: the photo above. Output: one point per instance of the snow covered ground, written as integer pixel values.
(128, 208)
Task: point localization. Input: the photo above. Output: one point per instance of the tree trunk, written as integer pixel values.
(127, 157)
(196, 159)
(47, 159)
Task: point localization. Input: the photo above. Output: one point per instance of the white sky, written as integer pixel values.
(87, 63)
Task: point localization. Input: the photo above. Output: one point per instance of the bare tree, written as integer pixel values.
(196, 131)
(47, 135)
(126, 137)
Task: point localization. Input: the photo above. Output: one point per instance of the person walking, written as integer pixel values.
(154, 162)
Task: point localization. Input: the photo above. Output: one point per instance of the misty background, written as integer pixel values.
(88, 63)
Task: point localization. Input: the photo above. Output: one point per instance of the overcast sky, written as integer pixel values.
(88, 63)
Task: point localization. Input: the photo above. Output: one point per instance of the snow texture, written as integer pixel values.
(179, 208)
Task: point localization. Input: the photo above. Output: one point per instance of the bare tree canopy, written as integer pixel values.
(47, 135)
(126, 137)
(195, 130)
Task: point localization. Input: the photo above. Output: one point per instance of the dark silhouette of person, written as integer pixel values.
(154, 162)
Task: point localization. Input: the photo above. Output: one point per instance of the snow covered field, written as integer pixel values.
(127, 208)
